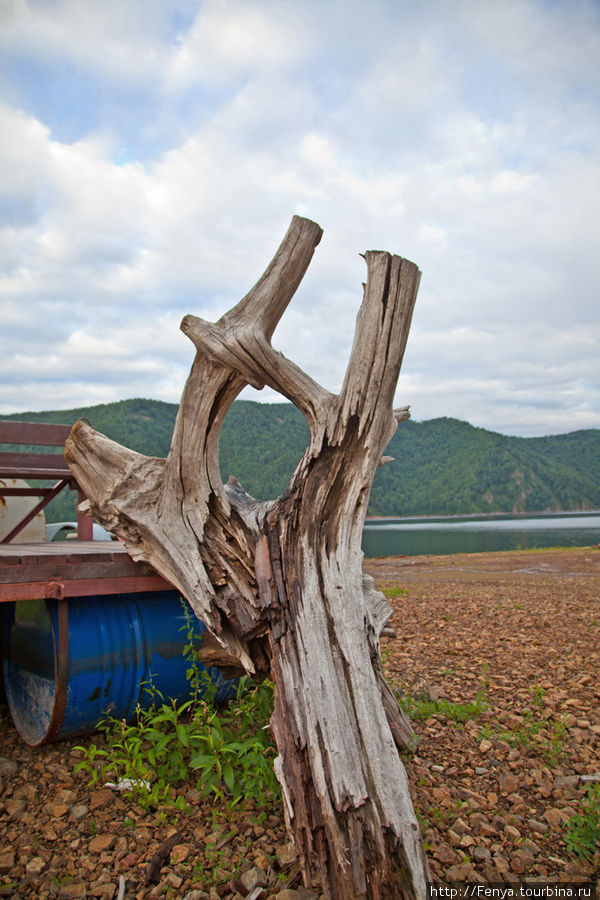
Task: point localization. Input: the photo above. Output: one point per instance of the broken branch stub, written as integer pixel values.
(279, 584)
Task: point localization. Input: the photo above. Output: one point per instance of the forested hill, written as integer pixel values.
(442, 466)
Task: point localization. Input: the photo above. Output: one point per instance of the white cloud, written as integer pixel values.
(231, 37)
(452, 139)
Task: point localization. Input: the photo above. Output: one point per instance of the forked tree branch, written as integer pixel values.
(280, 583)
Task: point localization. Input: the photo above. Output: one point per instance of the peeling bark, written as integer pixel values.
(280, 584)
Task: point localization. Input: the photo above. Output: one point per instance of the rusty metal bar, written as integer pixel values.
(85, 524)
(61, 666)
(36, 509)
(23, 492)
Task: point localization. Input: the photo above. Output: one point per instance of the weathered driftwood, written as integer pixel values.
(280, 583)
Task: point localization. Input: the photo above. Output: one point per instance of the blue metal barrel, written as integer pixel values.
(67, 663)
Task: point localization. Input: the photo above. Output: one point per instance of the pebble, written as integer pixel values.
(79, 811)
(101, 843)
(68, 891)
(521, 860)
(444, 854)
(300, 894)
(508, 783)
(253, 878)
(8, 766)
(553, 817)
(35, 867)
(538, 827)
(286, 855)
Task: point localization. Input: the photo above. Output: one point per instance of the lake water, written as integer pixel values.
(477, 534)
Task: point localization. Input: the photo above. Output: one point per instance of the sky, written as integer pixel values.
(152, 154)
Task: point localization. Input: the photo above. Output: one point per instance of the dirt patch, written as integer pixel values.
(518, 630)
(520, 633)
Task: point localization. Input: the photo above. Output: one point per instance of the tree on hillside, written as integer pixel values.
(280, 583)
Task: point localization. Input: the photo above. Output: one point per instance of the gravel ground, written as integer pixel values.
(493, 794)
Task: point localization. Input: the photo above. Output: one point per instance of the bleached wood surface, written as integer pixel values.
(280, 583)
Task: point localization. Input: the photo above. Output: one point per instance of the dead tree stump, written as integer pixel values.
(280, 583)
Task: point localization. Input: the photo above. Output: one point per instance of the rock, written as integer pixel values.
(180, 853)
(28, 792)
(566, 786)
(532, 846)
(35, 867)
(196, 895)
(444, 854)
(79, 811)
(453, 837)
(104, 891)
(67, 891)
(459, 873)
(508, 783)
(253, 878)
(15, 808)
(521, 860)
(8, 766)
(101, 843)
(485, 746)
(58, 810)
(538, 827)
(461, 827)
(286, 855)
(513, 834)
(553, 817)
(101, 798)
(480, 854)
(501, 865)
(300, 894)
(7, 861)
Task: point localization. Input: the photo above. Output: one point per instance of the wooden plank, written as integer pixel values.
(62, 570)
(68, 549)
(34, 461)
(26, 471)
(20, 563)
(87, 587)
(36, 433)
(75, 569)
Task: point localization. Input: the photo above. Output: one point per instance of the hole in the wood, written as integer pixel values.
(261, 444)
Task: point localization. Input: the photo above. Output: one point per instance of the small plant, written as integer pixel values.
(530, 736)
(583, 829)
(230, 747)
(422, 708)
(393, 592)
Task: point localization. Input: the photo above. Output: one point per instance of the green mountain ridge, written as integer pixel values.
(441, 466)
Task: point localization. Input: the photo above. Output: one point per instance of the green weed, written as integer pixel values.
(422, 708)
(228, 749)
(393, 592)
(583, 829)
(534, 734)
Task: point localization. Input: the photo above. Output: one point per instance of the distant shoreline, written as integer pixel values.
(485, 515)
